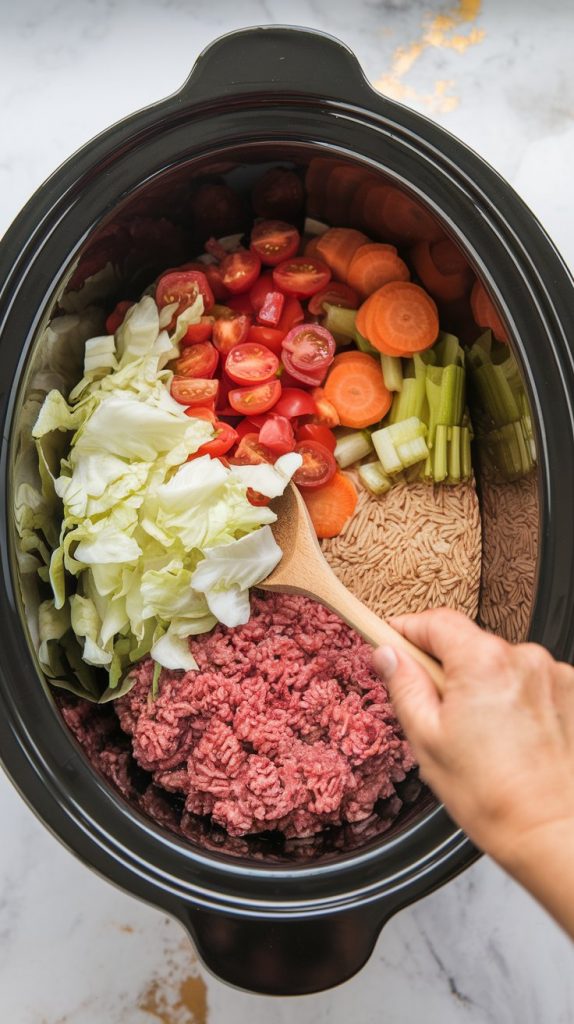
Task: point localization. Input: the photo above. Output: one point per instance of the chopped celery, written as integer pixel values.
(392, 368)
(410, 452)
(454, 454)
(314, 227)
(339, 321)
(386, 451)
(448, 350)
(440, 458)
(363, 345)
(374, 478)
(409, 401)
(352, 447)
(465, 456)
(406, 430)
(495, 394)
(445, 394)
(481, 352)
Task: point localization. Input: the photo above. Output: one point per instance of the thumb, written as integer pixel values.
(413, 693)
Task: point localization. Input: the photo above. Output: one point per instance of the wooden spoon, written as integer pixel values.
(304, 570)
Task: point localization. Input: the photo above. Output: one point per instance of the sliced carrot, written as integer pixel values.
(325, 412)
(332, 505)
(407, 220)
(357, 390)
(336, 248)
(342, 183)
(362, 317)
(349, 357)
(400, 319)
(442, 269)
(372, 266)
(484, 312)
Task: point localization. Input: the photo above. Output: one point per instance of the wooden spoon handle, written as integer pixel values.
(332, 593)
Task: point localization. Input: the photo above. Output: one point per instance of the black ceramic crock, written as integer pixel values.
(259, 96)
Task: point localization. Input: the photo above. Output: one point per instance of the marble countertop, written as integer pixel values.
(499, 75)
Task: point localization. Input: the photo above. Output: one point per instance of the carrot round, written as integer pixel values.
(372, 266)
(357, 390)
(442, 269)
(399, 319)
(332, 505)
(484, 312)
(349, 357)
(407, 220)
(336, 248)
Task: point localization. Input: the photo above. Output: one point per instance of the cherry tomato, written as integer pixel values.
(295, 402)
(252, 401)
(198, 361)
(250, 452)
(117, 317)
(326, 412)
(301, 376)
(268, 336)
(229, 331)
(251, 364)
(194, 392)
(225, 438)
(277, 434)
(274, 241)
(278, 193)
(240, 304)
(261, 288)
(215, 278)
(311, 348)
(201, 412)
(318, 467)
(183, 286)
(270, 313)
(250, 426)
(214, 248)
(256, 498)
(293, 313)
(196, 333)
(336, 294)
(317, 432)
(225, 385)
(240, 270)
(301, 276)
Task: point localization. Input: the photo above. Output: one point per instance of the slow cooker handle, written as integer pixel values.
(276, 59)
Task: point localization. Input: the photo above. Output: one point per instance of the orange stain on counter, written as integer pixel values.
(449, 31)
(184, 1004)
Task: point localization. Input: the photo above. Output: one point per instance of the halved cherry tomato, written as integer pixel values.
(256, 498)
(225, 386)
(311, 348)
(270, 313)
(117, 316)
(277, 434)
(318, 467)
(261, 288)
(225, 438)
(250, 426)
(194, 392)
(326, 413)
(250, 452)
(336, 294)
(201, 412)
(251, 364)
(293, 313)
(213, 275)
(183, 287)
(198, 361)
(268, 336)
(240, 270)
(295, 402)
(301, 276)
(240, 304)
(278, 193)
(252, 401)
(314, 380)
(196, 333)
(274, 241)
(317, 432)
(229, 331)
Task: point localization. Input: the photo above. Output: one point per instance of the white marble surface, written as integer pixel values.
(500, 75)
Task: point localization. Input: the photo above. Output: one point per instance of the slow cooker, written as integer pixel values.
(257, 98)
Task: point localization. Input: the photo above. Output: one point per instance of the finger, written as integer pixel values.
(442, 632)
(413, 693)
(564, 700)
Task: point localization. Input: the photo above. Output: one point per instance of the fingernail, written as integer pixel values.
(385, 661)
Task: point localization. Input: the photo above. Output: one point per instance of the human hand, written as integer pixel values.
(498, 747)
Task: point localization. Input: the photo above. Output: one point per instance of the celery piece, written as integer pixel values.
(454, 454)
(386, 451)
(448, 350)
(363, 345)
(410, 400)
(407, 430)
(495, 394)
(465, 455)
(339, 321)
(445, 394)
(392, 368)
(352, 447)
(414, 472)
(427, 471)
(314, 227)
(374, 478)
(440, 460)
(413, 451)
(480, 353)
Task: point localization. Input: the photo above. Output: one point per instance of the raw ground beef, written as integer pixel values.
(283, 727)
